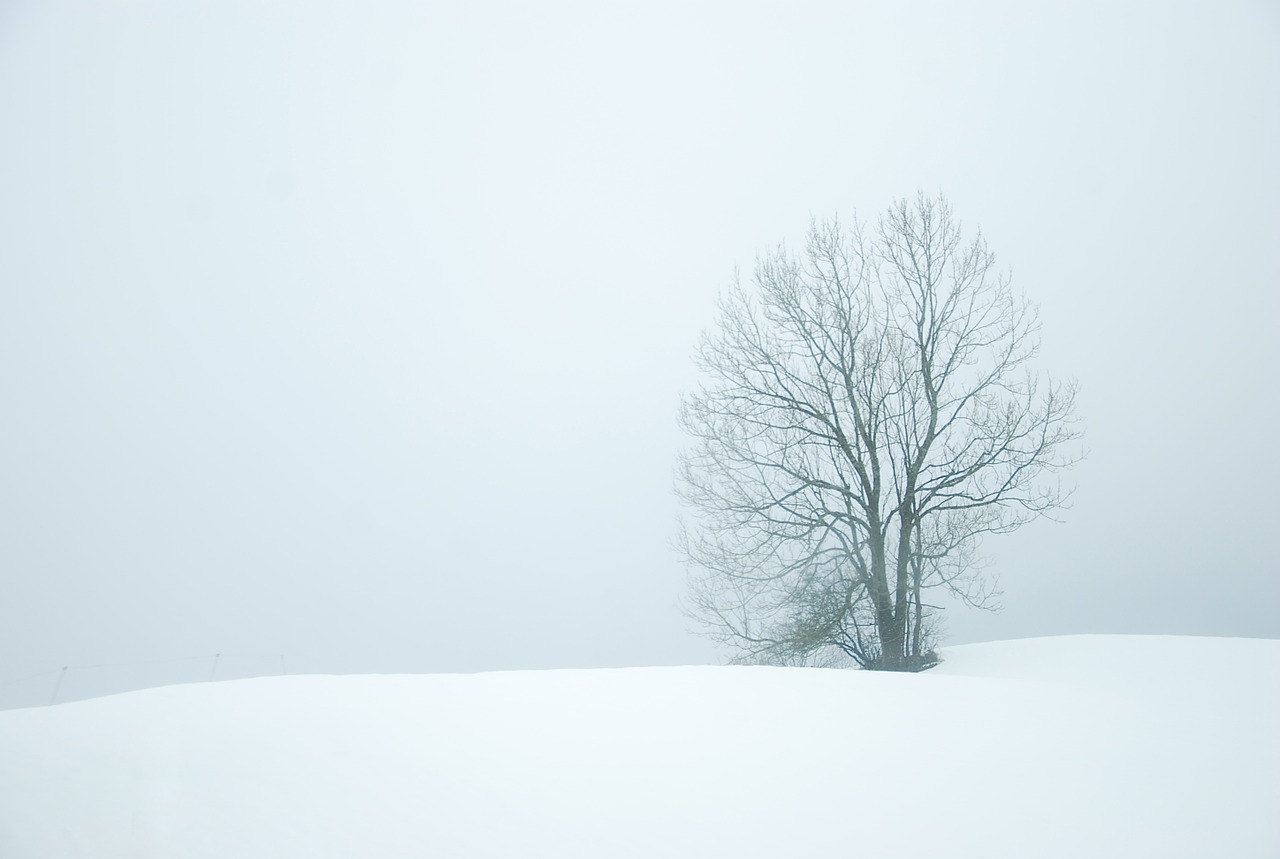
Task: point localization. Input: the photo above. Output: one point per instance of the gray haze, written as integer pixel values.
(355, 332)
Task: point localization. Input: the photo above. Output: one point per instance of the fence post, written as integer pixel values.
(57, 686)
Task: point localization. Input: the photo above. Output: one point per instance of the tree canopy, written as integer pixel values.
(869, 412)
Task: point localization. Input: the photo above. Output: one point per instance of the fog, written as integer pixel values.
(355, 333)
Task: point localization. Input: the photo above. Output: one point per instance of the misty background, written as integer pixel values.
(355, 333)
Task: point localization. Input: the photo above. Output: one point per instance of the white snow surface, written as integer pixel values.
(1097, 746)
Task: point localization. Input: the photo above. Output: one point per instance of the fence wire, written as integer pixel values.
(57, 676)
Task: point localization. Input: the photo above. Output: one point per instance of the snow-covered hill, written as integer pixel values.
(1090, 746)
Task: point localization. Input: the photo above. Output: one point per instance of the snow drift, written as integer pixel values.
(1100, 746)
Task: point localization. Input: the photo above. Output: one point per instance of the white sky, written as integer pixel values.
(355, 332)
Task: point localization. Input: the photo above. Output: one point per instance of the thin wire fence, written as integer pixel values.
(91, 680)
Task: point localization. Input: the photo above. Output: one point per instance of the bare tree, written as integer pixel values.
(868, 415)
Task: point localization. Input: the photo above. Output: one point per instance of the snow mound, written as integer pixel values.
(1100, 746)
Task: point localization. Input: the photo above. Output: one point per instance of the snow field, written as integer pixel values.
(1066, 747)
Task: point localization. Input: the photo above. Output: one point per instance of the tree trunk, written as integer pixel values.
(889, 627)
(917, 639)
(893, 639)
